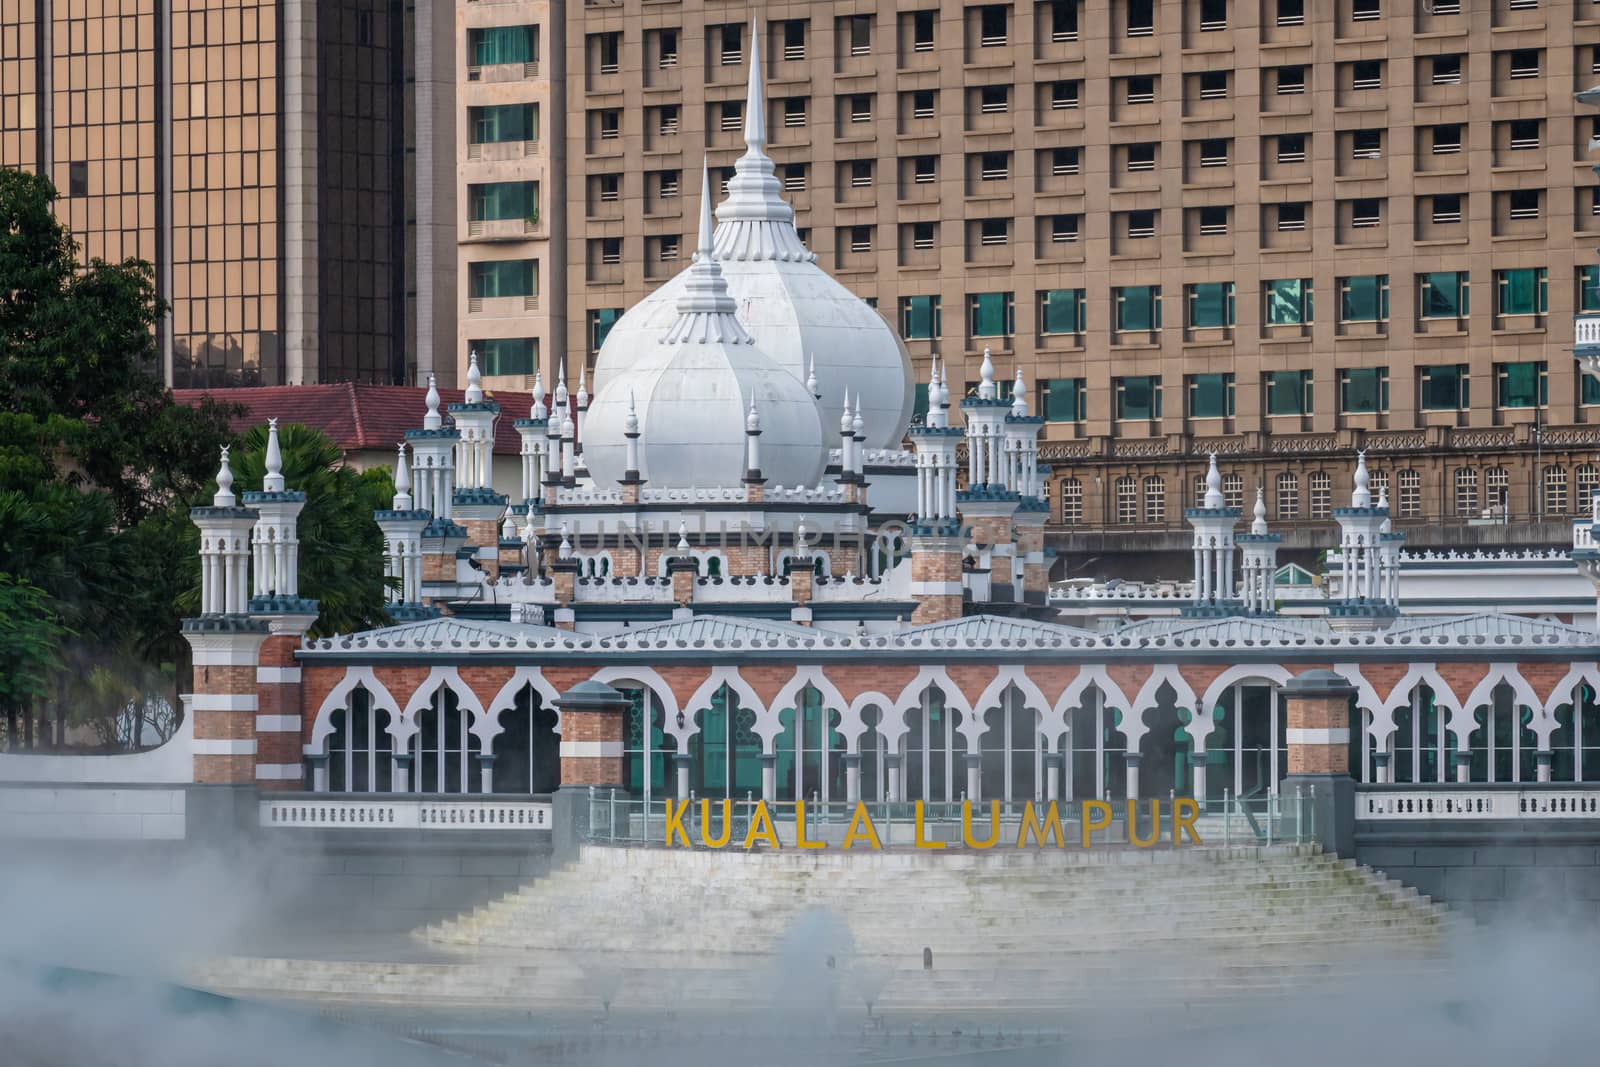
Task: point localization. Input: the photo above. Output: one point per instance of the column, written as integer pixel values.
(852, 777)
(1052, 776)
(591, 736)
(975, 776)
(278, 719)
(891, 771)
(1320, 718)
(769, 776)
(1131, 759)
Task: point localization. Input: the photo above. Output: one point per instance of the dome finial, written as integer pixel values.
(1361, 497)
(755, 115)
(538, 394)
(583, 389)
(1383, 505)
(986, 376)
(402, 480)
(1214, 497)
(432, 420)
(1259, 526)
(811, 378)
(1019, 396)
(707, 234)
(846, 424)
(565, 548)
(858, 423)
(630, 422)
(474, 379)
(273, 482)
(706, 308)
(752, 421)
(224, 497)
(683, 536)
(561, 385)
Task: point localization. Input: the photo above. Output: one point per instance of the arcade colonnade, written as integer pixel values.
(1011, 733)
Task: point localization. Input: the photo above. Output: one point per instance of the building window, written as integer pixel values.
(1289, 81)
(994, 231)
(1446, 209)
(1445, 387)
(1291, 12)
(1064, 400)
(1365, 214)
(922, 30)
(600, 322)
(924, 103)
(1291, 217)
(994, 99)
(503, 122)
(1364, 390)
(922, 236)
(1521, 292)
(1141, 225)
(1523, 203)
(1288, 301)
(1521, 385)
(1497, 488)
(1446, 70)
(919, 317)
(77, 179)
(1155, 499)
(1447, 139)
(1063, 21)
(504, 277)
(1127, 500)
(925, 170)
(1288, 392)
(1063, 162)
(1366, 74)
(1321, 495)
(1287, 497)
(507, 355)
(1063, 96)
(794, 112)
(860, 107)
(1071, 501)
(1210, 305)
(992, 29)
(1364, 298)
(1442, 295)
(992, 314)
(1291, 148)
(1141, 18)
(1141, 157)
(1525, 63)
(1138, 398)
(493, 46)
(1586, 483)
(669, 49)
(1466, 491)
(1210, 396)
(1064, 229)
(1589, 288)
(1061, 311)
(1410, 493)
(611, 124)
(794, 39)
(1232, 491)
(1365, 10)
(498, 201)
(1366, 144)
(860, 34)
(610, 251)
(1555, 491)
(1138, 307)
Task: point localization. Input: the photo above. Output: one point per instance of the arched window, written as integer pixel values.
(444, 746)
(527, 750)
(1012, 751)
(360, 747)
(1555, 490)
(1466, 491)
(1155, 499)
(1127, 499)
(646, 746)
(1585, 483)
(725, 752)
(1322, 495)
(1497, 488)
(1071, 501)
(1288, 497)
(809, 751)
(713, 567)
(935, 763)
(1410, 493)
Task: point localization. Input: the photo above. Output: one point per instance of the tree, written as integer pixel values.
(30, 647)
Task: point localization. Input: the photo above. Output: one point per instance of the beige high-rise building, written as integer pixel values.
(1277, 230)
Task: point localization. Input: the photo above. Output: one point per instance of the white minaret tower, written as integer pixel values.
(225, 529)
(986, 417)
(475, 419)
(630, 430)
(935, 443)
(752, 446)
(1368, 595)
(1021, 460)
(275, 538)
(581, 471)
(1259, 566)
(433, 450)
(1213, 523)
(532, 431)
(402, 527)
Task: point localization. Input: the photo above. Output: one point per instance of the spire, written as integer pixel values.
(755, 113)
(706, 308)
(474, 379)
(561, 387)
(1019, 396)
(752, 421)
(630, 422)
(583, 389)
(811, 384)
(846, 424)
(858, 423)
(224, 497)
(1362, 496)
(1214, 497)
(1383, 506)
(508, 531)
(1259, 525)
(402, 480)
(986, 384)
(273, 482)
(538, 395)
(800, 538)
(432, 421)
(564, 550)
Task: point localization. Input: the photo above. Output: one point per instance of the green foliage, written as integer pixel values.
(30, 641)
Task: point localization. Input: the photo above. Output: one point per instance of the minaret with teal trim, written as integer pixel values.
(1369, 595)
(475, 504)
(1258, 569)
(988, 503)
(936, 539)
(402, 526)
(1213, 523)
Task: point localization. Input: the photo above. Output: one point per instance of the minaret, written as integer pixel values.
(1259, 566)
(1367, 593)
(988, 504)
(1213, 523)
(581, 471)
(275, 538)
(631, 479)
(1021, 476)
(475, 504)
(402, 526)
(936, 536)
(532, 431)
(434, 450)
(754, 481)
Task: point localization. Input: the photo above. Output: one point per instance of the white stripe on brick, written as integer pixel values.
(591, 749)
(1303, 735)
(224, 702)
(279, 772)
(218, 747)
(278, 675)
(277, 724)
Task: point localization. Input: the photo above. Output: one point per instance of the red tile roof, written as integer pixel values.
(358, 417)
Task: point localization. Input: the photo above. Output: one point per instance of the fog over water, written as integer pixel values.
(1523, 990)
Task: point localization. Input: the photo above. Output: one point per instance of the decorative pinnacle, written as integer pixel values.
(508, 531)
(630, 422)
(565, 548)
(402, 480)
(755, 114)
(811, 381)
(1361, 497)
(707, 234)
(986, 376)
(1214, 497)
(858, 424)
(583, 389)
(538, 394)
(752, 421)
(1259, 526)
(529, 534)
(561, 386)
(846, 425)
(683, 536)
(432, 421)
(273, 482)
(224, 497)
(1019, 396)
(474, 379)
(800, 538)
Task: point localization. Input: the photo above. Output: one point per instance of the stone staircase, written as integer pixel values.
(1010, 933)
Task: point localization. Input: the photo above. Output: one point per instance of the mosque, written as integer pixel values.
(726, 574)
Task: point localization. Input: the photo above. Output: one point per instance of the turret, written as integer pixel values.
(1259, 565)
(532, 432)
(1213, 522)
(433, 450)
(402, 527)
(1369, 594)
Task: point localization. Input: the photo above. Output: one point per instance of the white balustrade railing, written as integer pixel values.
(377, 812)
(1468, 802)
(1586, 330)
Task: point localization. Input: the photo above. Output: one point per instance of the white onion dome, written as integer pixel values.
(796, 312)
(691, 390)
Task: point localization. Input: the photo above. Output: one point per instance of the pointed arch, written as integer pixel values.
(663, 692)
(1200, 725)
(338, 697)
(438, 678)
(1149, 696)
(508, 695)
(767, 726)
(852, 721)
(895, 727)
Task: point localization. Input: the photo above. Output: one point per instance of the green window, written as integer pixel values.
(1289, 392)
(1210, 396)
(1289, 302)
(503, 277)
(1064, 399)
(1138, 307)
(1442, 295)
(1591, 389)
(1521, 385)
(1521, 292)
(1138, 398)
(1589, 288)
(503, 200)
(1364, 390)
(493, 45)
(1445, 387)
(1061, 311)
(919, 407)
(600, 322)
(919, 317)
(1210, 305)
(507, 355)
(1364, 298)
(993, 315)
(503, 122)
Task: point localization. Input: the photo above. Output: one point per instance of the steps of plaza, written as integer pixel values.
(1009, 931)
